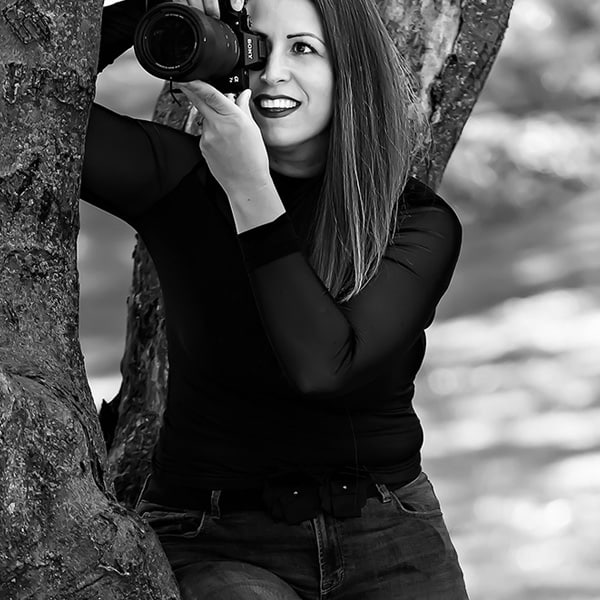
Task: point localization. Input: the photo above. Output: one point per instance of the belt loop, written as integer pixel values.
(215, 510)
(386, 495)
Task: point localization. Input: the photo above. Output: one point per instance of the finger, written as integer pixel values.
(237, 4)
(243, 101)
(230, 97)
(211, 8)
(200, 5)
(197, 104)
(194, 122)
(210, 97)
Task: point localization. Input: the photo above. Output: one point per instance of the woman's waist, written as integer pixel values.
(183, 476)
(292, 496)
(255, 452)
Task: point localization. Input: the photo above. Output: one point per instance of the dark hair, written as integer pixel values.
(376, 131)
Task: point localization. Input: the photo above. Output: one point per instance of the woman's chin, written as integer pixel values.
(281, 141)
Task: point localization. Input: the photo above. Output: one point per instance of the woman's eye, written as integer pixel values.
(303, 48)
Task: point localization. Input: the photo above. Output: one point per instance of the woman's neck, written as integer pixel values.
(300, 162)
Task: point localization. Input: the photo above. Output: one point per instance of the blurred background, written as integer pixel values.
(509, 394)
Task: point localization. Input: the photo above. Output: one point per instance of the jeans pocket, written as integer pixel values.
(417, 498)
(169, 522)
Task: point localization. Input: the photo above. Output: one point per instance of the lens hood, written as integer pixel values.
(177, 42)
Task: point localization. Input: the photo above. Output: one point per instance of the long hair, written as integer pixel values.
(375, 133)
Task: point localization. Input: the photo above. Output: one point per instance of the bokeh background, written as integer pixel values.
(509, 394)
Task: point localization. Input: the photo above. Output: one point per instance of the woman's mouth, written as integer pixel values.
(275, 107)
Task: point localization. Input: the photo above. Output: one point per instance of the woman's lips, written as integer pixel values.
(275, 107)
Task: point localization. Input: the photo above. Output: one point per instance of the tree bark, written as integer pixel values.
(452, 45)
(63, 534)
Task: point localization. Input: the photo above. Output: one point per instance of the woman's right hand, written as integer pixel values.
(211, 7)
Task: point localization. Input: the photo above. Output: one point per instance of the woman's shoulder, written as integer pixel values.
(416, 193)
(419, 201)
(426, 219)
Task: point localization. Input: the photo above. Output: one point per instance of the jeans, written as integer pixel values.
(398, 549)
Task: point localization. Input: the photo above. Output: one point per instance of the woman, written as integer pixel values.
(299, 267)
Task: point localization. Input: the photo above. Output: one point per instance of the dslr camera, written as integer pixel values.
(177, 42)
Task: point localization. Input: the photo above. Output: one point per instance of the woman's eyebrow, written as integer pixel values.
(312, 35)
(291, 36)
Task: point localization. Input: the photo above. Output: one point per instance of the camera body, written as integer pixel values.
(177, 42)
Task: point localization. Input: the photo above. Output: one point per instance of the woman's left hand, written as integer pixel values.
(231, 141)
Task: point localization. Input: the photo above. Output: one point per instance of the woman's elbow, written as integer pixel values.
(323, 386)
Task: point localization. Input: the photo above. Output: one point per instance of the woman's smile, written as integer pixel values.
(293, 93)
(275, 107)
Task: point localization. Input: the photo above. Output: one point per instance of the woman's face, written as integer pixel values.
(292, 97)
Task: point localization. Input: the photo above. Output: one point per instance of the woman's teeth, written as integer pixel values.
(280, 103)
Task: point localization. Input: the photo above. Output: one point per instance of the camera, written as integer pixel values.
(177, 42)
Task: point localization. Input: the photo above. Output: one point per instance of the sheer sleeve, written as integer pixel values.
(326, 349)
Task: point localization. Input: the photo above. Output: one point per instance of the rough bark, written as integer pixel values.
(63, 535)
(452, 45)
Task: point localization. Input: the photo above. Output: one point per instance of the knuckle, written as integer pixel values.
(207, 139)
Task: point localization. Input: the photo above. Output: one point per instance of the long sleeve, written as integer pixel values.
(130, 164)
(329, 350)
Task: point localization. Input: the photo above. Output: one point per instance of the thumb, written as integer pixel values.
(243, 102)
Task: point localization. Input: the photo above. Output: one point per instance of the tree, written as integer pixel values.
(63, 534)
(67, 528)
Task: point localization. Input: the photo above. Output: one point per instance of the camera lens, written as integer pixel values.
(172, 43)
(180, 43)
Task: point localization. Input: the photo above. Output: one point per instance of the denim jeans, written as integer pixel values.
(398, 549)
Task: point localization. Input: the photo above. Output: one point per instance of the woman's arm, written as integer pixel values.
(329, 349)
(130, 164)
(235, 153)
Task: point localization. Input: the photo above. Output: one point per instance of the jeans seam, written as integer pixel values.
(324, 590)
(319, 541)
(423, 514)
(340, 555)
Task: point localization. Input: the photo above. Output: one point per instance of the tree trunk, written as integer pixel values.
(452, 45)
(63, 535)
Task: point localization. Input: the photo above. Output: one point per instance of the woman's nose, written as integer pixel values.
(276, 70)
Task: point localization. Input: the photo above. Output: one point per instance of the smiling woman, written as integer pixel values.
(300, 266)
(297, 83)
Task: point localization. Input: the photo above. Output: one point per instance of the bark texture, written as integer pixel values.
(63, 534)
(452, 45)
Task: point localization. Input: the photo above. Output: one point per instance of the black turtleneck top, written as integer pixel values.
(268, 374)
